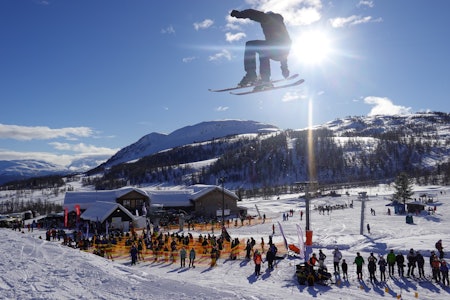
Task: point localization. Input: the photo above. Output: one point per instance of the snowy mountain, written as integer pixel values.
(20, 169)
(364, 148)
(375, 148)
(205, 131)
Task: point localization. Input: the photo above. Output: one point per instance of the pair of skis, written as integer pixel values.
(255, 89)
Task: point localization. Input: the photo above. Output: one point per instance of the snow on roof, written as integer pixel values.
(100, 211)
(85, 199)
(170, 198)
(183, 196)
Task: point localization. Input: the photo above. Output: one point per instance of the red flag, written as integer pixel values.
(77, 211)
(66, 216)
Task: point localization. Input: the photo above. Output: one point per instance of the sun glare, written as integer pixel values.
(311, 47)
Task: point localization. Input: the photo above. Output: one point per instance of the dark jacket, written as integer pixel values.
(272, 25)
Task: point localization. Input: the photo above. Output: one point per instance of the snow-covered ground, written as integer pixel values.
(32, 268)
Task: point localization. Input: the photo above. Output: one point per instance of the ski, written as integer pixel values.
(298, 82)
(253, 85)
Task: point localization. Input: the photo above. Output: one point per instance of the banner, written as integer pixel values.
(66, 217)
(77, 211)
(284, 237)
(301, 243)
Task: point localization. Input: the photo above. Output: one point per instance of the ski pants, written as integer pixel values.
(266, 52)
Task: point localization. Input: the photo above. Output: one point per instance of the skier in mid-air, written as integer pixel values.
(276, 46)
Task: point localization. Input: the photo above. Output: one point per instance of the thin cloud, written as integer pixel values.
(26, 133)
(366, 3)
(204, 24)
(352, 21)
(233, 37)
(385, 106)
(189, 59)
(168, 30)
(222, 108)
(224, 54)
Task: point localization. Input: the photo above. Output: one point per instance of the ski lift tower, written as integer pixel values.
(363, 197)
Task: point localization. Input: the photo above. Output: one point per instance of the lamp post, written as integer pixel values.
(221, 180)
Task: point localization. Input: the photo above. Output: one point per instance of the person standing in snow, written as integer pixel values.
(337, 256)
(344, 269)
(372, 267)
(134, 254)
(270, 256)
(192, 257)
(368, 228)
(400, 260)
(439, 248)
(411, 257)
(444, 272)
(382, 263)
(183, 257)
(435, 267)
(391, 262)
(359, 262)
(257, 259)
(420, 263)
(322, 257)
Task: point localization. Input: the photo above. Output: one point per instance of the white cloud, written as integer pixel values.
(384, 106)
(352, 20)
(366, 3)
(224, 54)
(168, 30)
(204, 24)
(222, 108)
(233, 37)
(295, 12)
(26, 133)
(83, 148)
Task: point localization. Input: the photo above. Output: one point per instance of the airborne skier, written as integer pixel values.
(276, 46)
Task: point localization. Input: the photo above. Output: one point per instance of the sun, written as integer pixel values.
(311, 47)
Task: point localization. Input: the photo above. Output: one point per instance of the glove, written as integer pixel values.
(285, 71)
(234, 13)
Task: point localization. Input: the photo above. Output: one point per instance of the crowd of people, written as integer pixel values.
(413, 265)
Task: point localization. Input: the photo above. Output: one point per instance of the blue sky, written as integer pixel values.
(89, 77)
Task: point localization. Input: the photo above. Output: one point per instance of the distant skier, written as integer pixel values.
(276, 46)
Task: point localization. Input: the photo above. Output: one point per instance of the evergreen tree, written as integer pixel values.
(403, 188)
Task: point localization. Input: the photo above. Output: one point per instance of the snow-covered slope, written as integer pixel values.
(32, 268)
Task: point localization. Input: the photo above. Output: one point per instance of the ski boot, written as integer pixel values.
(248, 80)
